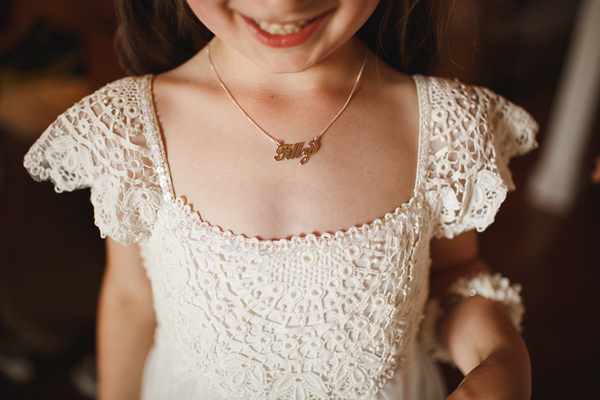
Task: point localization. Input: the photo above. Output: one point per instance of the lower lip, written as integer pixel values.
(291, 40)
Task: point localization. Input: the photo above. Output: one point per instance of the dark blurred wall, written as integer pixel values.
(52, 53)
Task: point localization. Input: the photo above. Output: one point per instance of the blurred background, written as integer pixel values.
(541, 54)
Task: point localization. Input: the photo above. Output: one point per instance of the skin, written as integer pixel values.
(126, 323)
(365, 168)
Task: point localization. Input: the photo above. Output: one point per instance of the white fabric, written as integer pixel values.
(333, 316)
(426, 382)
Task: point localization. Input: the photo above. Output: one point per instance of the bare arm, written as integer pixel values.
(479, 334)
(125, 323)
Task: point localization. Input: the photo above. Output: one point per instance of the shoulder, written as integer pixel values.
(102, 142)
(80, 138)
(459, 115)
(443, 88)
(118, 93)
(124, 98)
(450, 99)
(114, 111)
(471, 134)
(127, 85)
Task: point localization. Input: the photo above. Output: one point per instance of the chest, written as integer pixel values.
(327, 308)
(224, 166)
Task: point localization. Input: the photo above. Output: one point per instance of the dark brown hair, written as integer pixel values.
(158, 35)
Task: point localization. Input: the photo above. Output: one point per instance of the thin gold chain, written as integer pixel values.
(276, 141)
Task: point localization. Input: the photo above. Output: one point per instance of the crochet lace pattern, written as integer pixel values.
(327, 316)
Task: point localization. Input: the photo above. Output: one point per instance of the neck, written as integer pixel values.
(329, 73)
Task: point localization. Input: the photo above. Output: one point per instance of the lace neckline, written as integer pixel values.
(156, 145)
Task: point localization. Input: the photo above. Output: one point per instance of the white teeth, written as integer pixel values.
(275, 28)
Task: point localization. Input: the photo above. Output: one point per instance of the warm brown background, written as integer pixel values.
(51, 258)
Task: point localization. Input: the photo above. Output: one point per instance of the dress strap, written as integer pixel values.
(424, 124)
(155, 140)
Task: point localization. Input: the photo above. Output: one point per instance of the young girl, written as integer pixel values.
(280, 202)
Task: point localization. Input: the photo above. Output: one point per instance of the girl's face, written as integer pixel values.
(284, 35)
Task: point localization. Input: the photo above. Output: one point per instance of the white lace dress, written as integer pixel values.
(333, 316)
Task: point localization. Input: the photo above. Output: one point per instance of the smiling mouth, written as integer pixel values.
(288, 28)
(285, 34)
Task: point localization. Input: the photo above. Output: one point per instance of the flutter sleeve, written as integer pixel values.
(472, 134)
(99, 143)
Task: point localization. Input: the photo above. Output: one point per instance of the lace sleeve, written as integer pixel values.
(99, 143)
(64, 152)
(474, 132)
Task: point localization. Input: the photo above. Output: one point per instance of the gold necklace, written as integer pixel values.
(297, 150)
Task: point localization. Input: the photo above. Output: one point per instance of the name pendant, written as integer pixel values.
(296, 150)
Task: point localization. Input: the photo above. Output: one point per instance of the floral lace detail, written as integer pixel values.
(293, 319)
(314, 317)
(100, 143)
(473, 133)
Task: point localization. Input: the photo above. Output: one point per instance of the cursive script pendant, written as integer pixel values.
(297, 150)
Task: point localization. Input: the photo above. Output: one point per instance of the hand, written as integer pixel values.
(495, 379)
